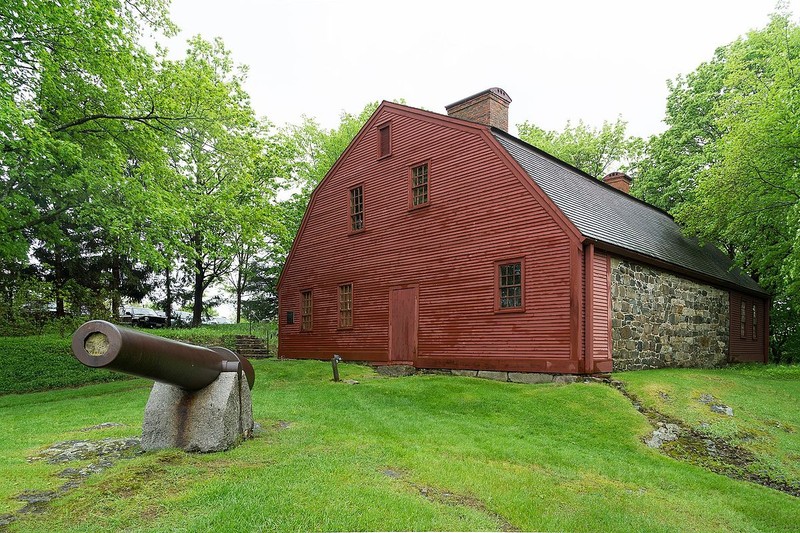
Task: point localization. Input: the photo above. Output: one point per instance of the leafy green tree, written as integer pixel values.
(668, 174)
(117, 158)
(728, 167)
(262, 284)
(221, 197)
(83, 141)
(594, 151)
(69, 86)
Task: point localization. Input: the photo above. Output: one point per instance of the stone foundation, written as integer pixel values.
(659, 319)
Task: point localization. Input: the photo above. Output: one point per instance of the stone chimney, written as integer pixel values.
(489, 108)
(619, 180)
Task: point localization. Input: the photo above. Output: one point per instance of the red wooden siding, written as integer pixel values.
(596, 316)
(748, 347)
(478, 212)
(601, 323)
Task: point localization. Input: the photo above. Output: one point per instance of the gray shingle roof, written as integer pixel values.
(607, 215)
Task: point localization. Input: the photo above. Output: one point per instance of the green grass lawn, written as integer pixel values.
(424, 452)
(765, 403)
(44, 362)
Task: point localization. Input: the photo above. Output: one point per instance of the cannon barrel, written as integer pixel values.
(100, 344)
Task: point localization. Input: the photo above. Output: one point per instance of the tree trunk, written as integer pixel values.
(239, 290)
(168, 302)
(116, 283)
(58, 284)
(197, 307)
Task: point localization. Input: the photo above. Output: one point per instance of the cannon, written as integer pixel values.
(201, 397)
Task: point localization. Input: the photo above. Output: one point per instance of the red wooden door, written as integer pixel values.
(403, 324)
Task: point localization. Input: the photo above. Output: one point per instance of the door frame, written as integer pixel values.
(415, 354)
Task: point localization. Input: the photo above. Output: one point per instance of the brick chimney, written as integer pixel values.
(619, 180)
(489, 108)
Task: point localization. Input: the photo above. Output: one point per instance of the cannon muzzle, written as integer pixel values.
(100, 344)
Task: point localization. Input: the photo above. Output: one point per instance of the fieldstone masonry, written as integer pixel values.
(659, 319)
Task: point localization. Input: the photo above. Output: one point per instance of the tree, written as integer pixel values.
(83, 143)
(223, 200)
(70, 74)
(117, 158)
(594, 151)
(728, 167)
(668, 174)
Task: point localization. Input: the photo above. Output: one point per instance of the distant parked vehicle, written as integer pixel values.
(181, 319)
(216, 320)
(142, 317)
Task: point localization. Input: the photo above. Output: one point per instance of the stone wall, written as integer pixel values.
(659, 319)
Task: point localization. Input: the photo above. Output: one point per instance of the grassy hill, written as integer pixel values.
(44, 362)
(425, 452)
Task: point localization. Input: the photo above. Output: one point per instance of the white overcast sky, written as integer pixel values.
(558, 60)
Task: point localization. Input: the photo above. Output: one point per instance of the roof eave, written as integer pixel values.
(666, 265)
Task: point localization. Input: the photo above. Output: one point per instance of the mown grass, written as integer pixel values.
(44, 362)
(764, 399)
(416, 453)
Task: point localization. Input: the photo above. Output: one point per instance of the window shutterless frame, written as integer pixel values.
(355, 198)
(346, 306)
(742, 320)
(509, 285)
(306, 310)
(419, 185)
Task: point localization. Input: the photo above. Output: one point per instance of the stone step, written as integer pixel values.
(251, 346)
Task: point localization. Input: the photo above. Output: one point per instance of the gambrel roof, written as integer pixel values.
(611, 217)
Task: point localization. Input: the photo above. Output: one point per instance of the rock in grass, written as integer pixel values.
(722, 409)
(663, 433)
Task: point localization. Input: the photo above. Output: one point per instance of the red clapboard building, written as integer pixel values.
(441, 241)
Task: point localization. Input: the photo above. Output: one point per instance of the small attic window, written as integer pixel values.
(385, 140)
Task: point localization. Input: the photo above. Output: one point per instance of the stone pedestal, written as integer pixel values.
(212, 419)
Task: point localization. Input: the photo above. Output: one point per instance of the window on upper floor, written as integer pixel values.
(509, 289)
(346, 305)
(357, 208)
(306, 310)
(385, 140)
(419, 185)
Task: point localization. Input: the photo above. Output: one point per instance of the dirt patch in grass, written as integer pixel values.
(712, 453)
(453, 499)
